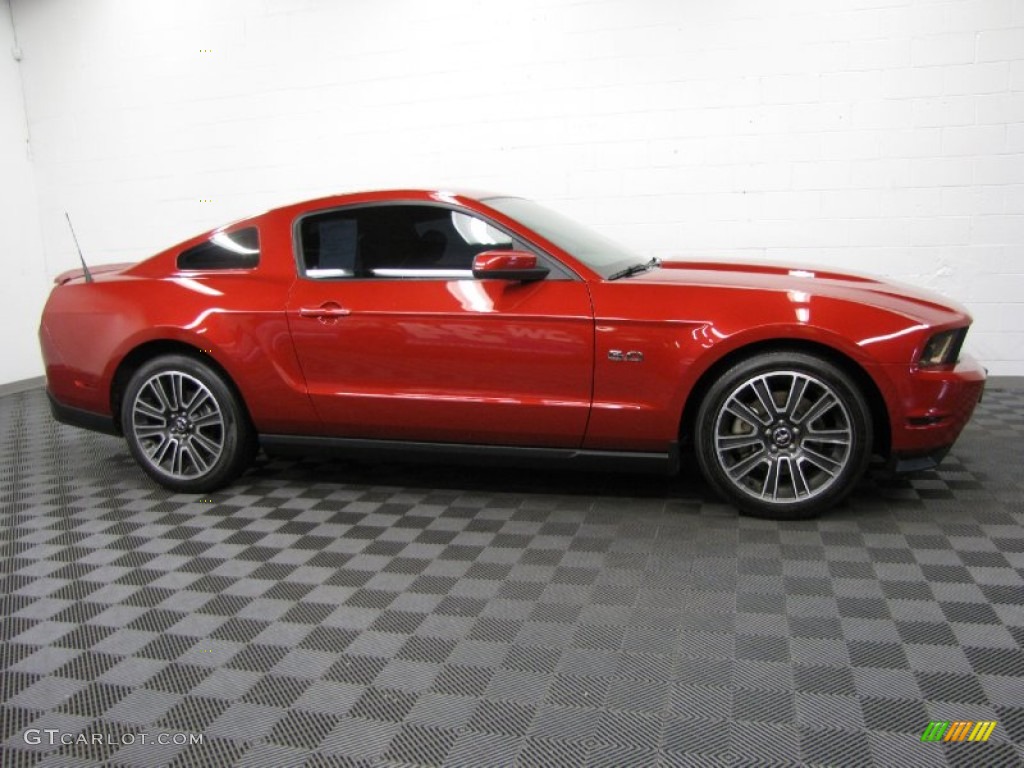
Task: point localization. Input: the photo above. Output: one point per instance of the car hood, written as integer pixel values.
(814, 280)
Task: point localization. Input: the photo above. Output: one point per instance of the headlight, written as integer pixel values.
(942, 348)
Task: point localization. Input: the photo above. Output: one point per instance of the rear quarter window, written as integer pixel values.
(225, 250)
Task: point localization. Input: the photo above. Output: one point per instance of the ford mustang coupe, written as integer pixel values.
(475, 326)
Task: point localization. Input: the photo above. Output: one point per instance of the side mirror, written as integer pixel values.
(508, 265)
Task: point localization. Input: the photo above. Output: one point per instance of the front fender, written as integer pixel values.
(782, 334)
(645, 401)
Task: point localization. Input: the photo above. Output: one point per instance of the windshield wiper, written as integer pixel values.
(636, 268)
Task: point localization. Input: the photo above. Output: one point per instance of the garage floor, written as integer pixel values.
(330, 614)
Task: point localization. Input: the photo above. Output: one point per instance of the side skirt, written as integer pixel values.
(488, 455)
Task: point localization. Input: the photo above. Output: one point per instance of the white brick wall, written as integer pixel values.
(23, 272)
(885, 135)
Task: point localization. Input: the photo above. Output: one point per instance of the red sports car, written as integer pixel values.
(485, 326)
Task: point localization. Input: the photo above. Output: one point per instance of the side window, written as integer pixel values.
(395, 241)
(236, 250)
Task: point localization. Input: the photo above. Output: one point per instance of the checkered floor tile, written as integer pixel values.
(339, 614)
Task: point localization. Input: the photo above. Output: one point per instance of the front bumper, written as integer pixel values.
(902, 463)
(934, 409)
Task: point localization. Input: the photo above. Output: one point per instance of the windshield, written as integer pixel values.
(602, 255)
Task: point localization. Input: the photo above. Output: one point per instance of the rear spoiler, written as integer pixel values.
(79, 274)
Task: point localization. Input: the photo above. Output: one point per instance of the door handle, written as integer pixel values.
(325, 312)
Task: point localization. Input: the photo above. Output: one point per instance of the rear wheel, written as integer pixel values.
(783, 435)
(185, 426)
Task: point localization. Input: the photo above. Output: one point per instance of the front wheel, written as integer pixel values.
(185, 426)
(783, 435)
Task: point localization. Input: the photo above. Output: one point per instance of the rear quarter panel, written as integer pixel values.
(235, 317)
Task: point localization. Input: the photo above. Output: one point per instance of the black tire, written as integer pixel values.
(185, 426)
(783, 435)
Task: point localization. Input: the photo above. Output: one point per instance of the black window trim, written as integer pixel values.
(558, 269)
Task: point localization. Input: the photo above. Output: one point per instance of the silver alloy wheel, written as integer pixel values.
(178, 424)
(783, 437)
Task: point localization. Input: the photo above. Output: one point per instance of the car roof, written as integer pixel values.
(440, 194)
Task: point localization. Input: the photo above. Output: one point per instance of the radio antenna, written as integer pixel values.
(85, 267)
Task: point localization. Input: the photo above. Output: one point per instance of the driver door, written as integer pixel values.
(397, 340)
